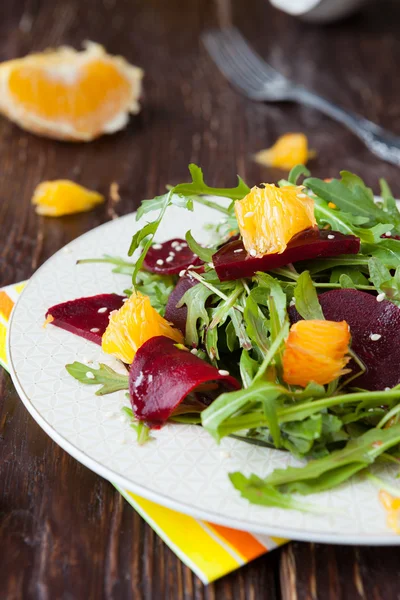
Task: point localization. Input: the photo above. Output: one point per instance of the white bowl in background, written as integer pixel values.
(319, 11)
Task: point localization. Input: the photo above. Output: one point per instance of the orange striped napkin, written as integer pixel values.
(210, 550)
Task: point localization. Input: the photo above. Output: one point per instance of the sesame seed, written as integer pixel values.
(181, 273)
(191, 267)
(331, 237)
(125, 300)
(178, 248)
(174, 244)
(211, 265)
(253, 252)
(159, 262)
(374, 337)
(223, 372)
(387, 389)
(66, 250)
(150, 378)
(380, 297)
(157, 246)
(103, 309)
(172, 253)
(249, 214)
(109, 414)
(292, 302)
(183, 245)
(238, 250)
(194, 351)
(388, 234)
(95, 330)
(90, 375)
(169, 259)
(224, 454)
(302, 195)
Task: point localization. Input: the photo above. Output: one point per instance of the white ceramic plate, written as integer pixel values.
(183, 468)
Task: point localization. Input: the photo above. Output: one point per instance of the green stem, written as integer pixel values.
(112, 261)
(211, 287)
(392, 413)
(212, 204)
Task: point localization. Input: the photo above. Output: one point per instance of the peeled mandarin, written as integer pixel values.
(63, 197)
(270, 216)
(288, 151)
(132, 325)
(316, 350)
(70, 95)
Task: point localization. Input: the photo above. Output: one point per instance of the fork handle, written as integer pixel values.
(382, 143)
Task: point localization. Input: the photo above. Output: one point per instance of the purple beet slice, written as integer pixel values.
(169, 258)
(162, 375)
(375, 332)
(175, 315)
(86, 317)
(233, 262)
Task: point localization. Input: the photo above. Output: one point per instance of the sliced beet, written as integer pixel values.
(85, 317)
(169, 258)
(162, 375)
(175, 315)
(233, 262)
(367, 317)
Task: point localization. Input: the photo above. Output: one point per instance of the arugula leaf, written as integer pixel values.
(325, 473)
(143, 431)
(346, 282)
(197, 316)
(257, 325)
(157, 287)
(387, 251)
(389, 203)
(104, 376)
(248, 368)
(306, 297)
(256, 491)
(158, 202)
(296, 172)
(205, 254)
(198, 187)
(356, 277)
(378, 273)
(349, 197)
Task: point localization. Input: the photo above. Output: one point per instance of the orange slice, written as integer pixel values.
(288, 151)
(316, 350)
(70, 95)
(132, 325)
(63, 197)
(270, 216)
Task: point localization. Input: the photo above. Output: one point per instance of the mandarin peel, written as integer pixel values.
(270, 216)
(69, 95)
(288, 151)
(63, 197)
(132, 325)
(316, 350)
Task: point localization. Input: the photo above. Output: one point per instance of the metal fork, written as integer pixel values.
(257, 80)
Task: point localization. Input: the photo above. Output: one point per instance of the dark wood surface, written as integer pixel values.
(65, 533)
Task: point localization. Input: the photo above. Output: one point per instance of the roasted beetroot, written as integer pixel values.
(175, 315)
(162, 375)
(233, 262)
(87, 317)
(170, 257)
(375, 332)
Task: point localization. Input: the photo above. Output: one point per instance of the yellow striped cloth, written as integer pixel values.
(210, 550)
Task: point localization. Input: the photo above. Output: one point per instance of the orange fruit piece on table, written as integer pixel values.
(70, 95)
(288, 151)
(316, 350)
(270, 216)
(63, 197)
(132, 325)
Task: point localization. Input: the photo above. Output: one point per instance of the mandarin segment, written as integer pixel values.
(132, 325)
(63, 197)
(316, 350)
(270, 216)
(288, 151)
(70, 95)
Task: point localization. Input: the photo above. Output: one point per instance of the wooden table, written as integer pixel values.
(65, 533)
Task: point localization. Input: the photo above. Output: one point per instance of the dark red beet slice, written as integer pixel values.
(170, 257)
(86, 316)
(175, 315)
(366, 316)
(233, 262)
(162, 375)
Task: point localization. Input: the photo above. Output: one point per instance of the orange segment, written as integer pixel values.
(132, 325)
(269, 217)
(63, 197)
(288, 151)
(67, 94)
(316, 351)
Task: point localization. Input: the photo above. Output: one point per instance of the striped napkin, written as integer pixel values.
(210, 550)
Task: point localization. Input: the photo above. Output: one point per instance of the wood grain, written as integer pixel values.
(64, 532)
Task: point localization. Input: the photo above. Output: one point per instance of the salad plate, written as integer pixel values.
(182, 467)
